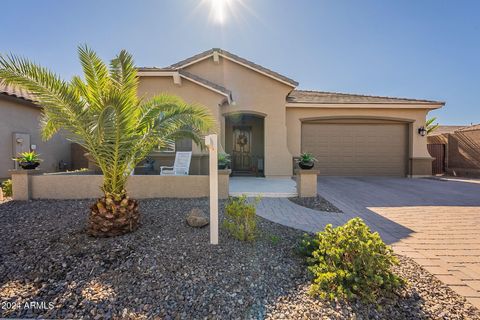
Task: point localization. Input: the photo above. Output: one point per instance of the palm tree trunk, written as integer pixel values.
(109, 217)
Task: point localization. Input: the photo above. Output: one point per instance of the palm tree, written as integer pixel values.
(430, 125)
(104, 114)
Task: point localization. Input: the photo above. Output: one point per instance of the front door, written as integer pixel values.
(242, 149)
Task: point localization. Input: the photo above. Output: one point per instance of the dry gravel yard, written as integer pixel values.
(168, 270)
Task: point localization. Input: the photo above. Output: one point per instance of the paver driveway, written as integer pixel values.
(435, 222)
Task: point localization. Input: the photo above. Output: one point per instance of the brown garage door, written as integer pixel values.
(357, 149)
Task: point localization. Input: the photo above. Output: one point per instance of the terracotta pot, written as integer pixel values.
(306, 165)
(29, 165)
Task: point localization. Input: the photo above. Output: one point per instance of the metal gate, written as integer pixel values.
(437, 151)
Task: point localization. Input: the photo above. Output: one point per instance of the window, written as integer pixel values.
(183, 145)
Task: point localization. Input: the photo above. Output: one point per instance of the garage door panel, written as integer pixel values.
(357, 149)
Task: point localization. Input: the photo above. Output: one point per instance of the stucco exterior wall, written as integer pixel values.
(87, 186)
(150, 86)
(254, 93)
(258, 94)
(18, 116)
(306, 183)
(415, 118)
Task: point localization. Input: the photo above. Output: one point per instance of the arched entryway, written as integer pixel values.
(244, 141)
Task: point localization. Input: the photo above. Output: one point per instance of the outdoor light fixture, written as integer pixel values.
(422, 131)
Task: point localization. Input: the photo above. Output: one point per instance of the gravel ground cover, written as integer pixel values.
(168, 270)
(316, 203)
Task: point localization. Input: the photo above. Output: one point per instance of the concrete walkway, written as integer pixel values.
(282, 187)
(284, 211)
(435, 222)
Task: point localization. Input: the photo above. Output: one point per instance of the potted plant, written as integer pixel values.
(28, 160)
(223, 160)
(306, 161)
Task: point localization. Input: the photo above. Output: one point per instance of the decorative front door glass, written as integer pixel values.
(242, 149)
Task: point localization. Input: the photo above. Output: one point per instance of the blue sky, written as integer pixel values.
(419, 49)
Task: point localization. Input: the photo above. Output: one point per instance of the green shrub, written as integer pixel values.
(274, 239)
(307, 245)
(351, 262)
(7, 188)
(240, 218)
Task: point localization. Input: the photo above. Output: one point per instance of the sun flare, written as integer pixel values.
(220, 9)
(225, 12)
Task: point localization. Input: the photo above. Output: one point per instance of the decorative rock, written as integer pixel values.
(197, 218)
(168, 270)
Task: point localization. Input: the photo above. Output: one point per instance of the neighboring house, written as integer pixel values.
(264, 123)
(19, 131)
(460, 147)
(440, 134)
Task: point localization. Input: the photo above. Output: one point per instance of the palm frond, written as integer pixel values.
(430, 126)
(102, 112)
(96, 75)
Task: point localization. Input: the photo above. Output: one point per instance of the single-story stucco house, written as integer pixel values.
(264, 122)
(19, 132)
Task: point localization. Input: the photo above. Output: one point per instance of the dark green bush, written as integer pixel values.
(307, 245)
(7, 188)
(351, 262)
(240, 218)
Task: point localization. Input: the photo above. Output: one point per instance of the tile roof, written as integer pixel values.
(140, 69)
(442, 129)
(16, 92)
(470, 128)
(232, 56)
(189, 76)
(206, 82)
(306, 96)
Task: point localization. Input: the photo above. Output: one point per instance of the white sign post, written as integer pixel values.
(211, 143)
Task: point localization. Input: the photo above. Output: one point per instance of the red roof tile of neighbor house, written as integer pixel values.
(322, 97)
(234, 57)
(16, 92)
